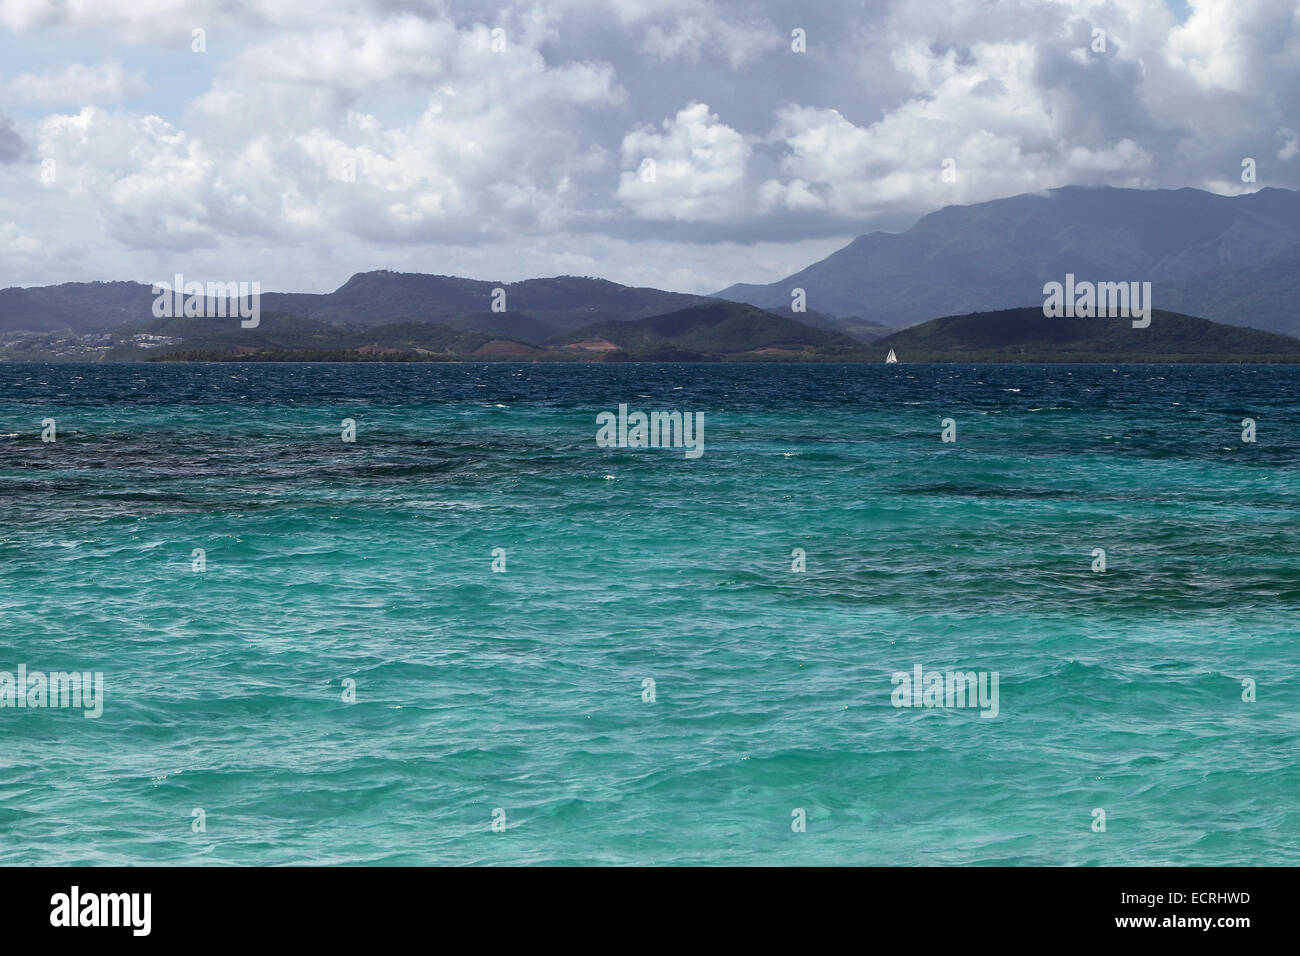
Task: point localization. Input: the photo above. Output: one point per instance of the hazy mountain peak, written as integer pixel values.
(998, 255)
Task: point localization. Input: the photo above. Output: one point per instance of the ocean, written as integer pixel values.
(472, 635)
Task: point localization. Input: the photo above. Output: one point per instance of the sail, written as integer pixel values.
(891, 357)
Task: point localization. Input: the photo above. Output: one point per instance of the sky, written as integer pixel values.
(681, 144)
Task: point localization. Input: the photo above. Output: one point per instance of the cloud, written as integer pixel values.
(75, 84)
(12, 146)
(987, 121)
(277, 147)
(155, 186)
(18, 244)
(1290, 145)
(1223, 42)
(149, 21)
(694, 170)
(692, 30)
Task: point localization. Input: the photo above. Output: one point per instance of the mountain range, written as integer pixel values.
(548, 306)
(1235, 260)
(711, 331)
(536, 310)
(707, 331)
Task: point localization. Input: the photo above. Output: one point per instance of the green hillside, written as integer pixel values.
(713, 331)
(290, 337)
(1026, 335)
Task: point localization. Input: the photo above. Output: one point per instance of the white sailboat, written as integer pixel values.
(891, 358)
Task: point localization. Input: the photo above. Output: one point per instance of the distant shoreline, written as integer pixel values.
(1073, 360)
(978, 358)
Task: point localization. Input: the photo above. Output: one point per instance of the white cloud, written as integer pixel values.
(16, 243)
(263, 151)
(1224, 42)
(76, 84)
(1001, 130)
(154, 185)
(693, 171)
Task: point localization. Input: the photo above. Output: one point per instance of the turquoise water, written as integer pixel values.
(476, 690)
